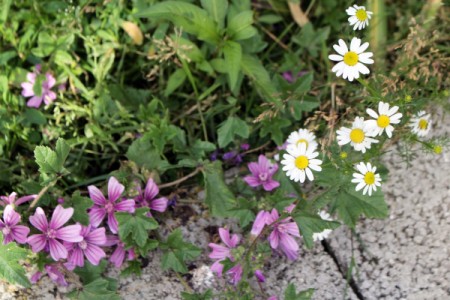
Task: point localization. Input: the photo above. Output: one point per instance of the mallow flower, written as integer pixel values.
(53, 233)
(119, 254)
(40, 93)
(103, 206)
(262, 173)
(9, 228)
(221, 252)
(148, 198)
(11, 199)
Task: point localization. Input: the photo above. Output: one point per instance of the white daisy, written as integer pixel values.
(366, 178)
(421, 123)
(359, 16)
(383, 119)
(351, 62)
(358, 136)
(318, 236)
(299, 162)
(303, 136)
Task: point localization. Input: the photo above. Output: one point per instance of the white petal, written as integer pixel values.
(335, 57)
(362, 68)
(365, 58)
(372, 113)
(354, 44)
(362, 48)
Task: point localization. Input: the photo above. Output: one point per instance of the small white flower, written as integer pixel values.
(357, 136)
(421, 123)
(366, 178)
(383, 119)
(319, 236)
(359, 16)
(351, 63)
(303, 136)
(299, 162)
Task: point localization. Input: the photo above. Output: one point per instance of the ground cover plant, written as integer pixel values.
(111, 112)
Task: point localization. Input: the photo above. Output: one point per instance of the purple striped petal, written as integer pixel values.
(126, 205)
(159, 204)
(34, 102)
(217, 268)
(218, 251)
(19, 233)
(76, 257)
(96, 236)
(274, 239)
(252, 181)
(39, 220)
(94, 254)
(112, 223)
(115, 189)
(96, 195)
(60, 216)
(57, 250)
(117, 257)
(10, 217)
(96, 216)
(37, 242)
(151, 190)
(70, 233)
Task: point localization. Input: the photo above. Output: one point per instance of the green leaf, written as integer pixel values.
(98, 289)
(219, 198)
(274, 127)
(143, 153)
(10, 268)
(80, 205)
(171, 260)
(230, 128)
(176, 79)
(34, 116)
(309, 223)
(303, 84)
(208, 295)
(190, 17)
(177, 252)
(233, 55)
(217, 9)
(136, 225)
(49, 161)
(240, 26)
(350, 205)
(291, 294)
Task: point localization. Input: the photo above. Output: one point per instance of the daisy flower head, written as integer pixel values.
(299, 162)
(366, 178)
(421, 123)
(359, 16)
(358, 136)
(303, 136)
(383, 119)
(351, 62)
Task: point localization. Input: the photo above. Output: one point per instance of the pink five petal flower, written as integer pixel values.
(47, 95)
(53, 271)
(119, 253)
(9, 228)
(221, 252)
(53, 233)
(89, 247)
(103, 206)
(282, 235)
(147, 197)
(262, 173)
(11, 199)
(235, 273)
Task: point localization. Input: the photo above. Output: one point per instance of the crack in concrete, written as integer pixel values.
(343, 270)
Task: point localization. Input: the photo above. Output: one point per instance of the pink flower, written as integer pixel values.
(220, 252)
(11, 199)
(11, 231)
(281, 236)
(36, 277)
(52, 233)
(89, 247)
(147, 198)
(119, 253)
(261, 220)
(46, 95)
(235, 273)
(262, 173)
(56, 275)
(103, 207)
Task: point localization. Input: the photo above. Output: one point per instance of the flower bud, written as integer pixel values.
(133, 31)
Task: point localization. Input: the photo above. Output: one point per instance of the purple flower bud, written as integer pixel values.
(260, 276)
(229, 155)
(60, 200)
(245, 146)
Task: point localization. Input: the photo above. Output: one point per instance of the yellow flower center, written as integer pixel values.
(357, 135)
(343, 155)
(301, 162)
(303, 141)
(361, 15)
(351, 58)
(423, 124)
(369, 178)
(383, 121)
(437, 149)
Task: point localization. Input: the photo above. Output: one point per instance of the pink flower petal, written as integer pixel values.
(270, 185)
(57, 250)
(159, 204)
(94, 254)
(39, 220)
(96, 237)
(217, 268)
(126, 205)
(115, 189)
(27, 89)
(151, 190)
(218, 251)
(10, 217)
(225, 236)
(112, 223)
(60, 216)
(20, 233)
(252, 181)
(96, 216)
(37, 242)
(259, 223)
(70, 233)
(96, 195)
(50, 82)
(76, 257)
(274, 239)
(35, 101)
(117, 257)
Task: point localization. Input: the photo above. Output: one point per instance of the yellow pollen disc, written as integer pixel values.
(301, 162)
(423, 124)
(437, 149)
(383, 121)
(357, 136)
(361, 15)
(350, 58)
(303, 141)
(369, 178)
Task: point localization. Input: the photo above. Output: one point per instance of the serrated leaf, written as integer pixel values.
(10, 268)
(217, 9)
(136, 225)
(177, 252)
(291, 294)
(80, 206)
(230, 128)
(49, 161)
(310, 223)
(233, 55)
(303, 84)
(98, 289)
(171, 260)
(240, 26)
(274, 128)
(219, 198)
(176, 79)
(350, 205)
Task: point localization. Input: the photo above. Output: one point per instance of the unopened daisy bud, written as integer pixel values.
(343, 155)
(133, 31)
(260, 276)
(437, 149)
(408, 98)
